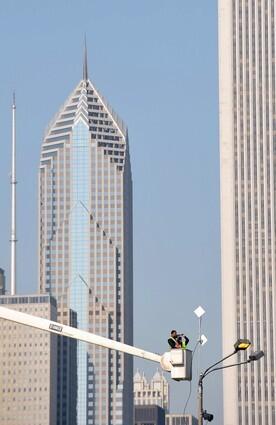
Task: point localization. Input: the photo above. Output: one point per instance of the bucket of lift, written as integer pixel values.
(181, 361)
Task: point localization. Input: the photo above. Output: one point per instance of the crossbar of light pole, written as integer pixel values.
(69, 331)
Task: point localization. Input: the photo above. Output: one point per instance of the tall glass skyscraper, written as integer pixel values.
(248, 227)
(85, 238)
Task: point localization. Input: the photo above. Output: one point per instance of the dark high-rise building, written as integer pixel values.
(149, 414)
(2, 282)
(67, 372)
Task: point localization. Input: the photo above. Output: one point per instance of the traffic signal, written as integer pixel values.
(207, 416)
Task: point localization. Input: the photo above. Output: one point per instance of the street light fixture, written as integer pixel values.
(241, 344)
(256, 355)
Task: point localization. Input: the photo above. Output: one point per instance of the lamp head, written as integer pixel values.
(256, 355)
(242, 344)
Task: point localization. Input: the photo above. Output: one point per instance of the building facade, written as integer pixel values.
(149, 415)
(85, 239)
(248, 177)
(151, 392)
(28, 365)
(2, 282)
(178, 419)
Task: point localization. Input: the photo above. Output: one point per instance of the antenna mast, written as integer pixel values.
(85, 65)
(13, 203)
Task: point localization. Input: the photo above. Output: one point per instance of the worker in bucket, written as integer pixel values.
(178, 340)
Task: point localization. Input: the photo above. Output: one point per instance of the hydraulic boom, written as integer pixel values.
(178, 362)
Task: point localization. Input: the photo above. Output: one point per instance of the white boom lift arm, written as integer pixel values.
(177, 361)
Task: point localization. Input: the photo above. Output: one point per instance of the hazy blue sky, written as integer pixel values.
(156, 62)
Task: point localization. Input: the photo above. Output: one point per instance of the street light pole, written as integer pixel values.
(240, 345)
(200, 386)
(200, 400)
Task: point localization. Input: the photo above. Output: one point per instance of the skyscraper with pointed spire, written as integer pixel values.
(85, 241)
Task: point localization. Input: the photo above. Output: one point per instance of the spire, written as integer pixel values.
(85, 67)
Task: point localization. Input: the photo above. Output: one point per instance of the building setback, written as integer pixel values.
(85, 239)
(28, 365)
(248, 227)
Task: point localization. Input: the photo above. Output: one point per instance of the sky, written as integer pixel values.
(156, 62)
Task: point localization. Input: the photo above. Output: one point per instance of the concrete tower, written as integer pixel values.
(248, 176)
(85, 239)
